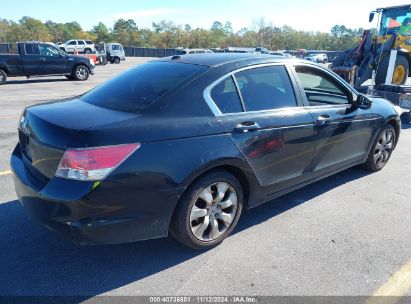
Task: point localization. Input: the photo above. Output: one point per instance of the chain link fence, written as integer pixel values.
(132, 51)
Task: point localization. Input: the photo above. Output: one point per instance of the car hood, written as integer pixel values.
(79, 58)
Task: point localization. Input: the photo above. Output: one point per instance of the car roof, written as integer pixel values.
(218, 59)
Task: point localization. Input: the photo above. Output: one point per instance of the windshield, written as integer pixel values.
(396, 20)
(141, 86)
(181, 52)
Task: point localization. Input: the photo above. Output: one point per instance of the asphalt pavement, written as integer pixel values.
(345, 235)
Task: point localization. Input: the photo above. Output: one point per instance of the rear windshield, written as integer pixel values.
(139, 87)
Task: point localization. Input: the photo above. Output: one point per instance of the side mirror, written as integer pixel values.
(362, 102)
(371, 17)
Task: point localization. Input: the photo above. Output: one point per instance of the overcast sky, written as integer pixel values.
(317, 15)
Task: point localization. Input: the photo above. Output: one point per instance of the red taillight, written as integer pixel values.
(93, 163)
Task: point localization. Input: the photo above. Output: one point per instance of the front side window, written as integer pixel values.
(321, 89)
(89, 42)
(48, 50)
(226, 97)
(72, 43)
(115, 47)
(266, 88)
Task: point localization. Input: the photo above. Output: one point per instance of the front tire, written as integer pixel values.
(116, 60)
(80, 73)
(208, 211)
(87, 51)
(381, 150)
(3, 77)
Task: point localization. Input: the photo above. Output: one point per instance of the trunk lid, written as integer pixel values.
(47, 130)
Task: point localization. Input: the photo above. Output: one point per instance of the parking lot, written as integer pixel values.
(349, 234)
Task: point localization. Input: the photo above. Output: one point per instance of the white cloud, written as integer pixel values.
(157, 12)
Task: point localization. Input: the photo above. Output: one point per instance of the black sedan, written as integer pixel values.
(183, 144)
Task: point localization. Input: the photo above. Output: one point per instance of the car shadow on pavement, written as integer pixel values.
(37, 80)
(36, 262)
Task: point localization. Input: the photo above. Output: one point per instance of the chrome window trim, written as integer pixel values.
(213, 106)
(268, 111)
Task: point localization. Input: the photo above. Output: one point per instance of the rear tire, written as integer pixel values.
(80, 73)
(208, 211)
(3, 77)
(381, 149)
(401, 70)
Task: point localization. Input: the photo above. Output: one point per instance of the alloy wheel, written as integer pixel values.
(383, 148)
(214, 211)
(82, 73)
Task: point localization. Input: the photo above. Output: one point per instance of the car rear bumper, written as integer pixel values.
(87, 215)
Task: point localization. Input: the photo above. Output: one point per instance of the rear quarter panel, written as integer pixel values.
(157, 174)
(11, 64)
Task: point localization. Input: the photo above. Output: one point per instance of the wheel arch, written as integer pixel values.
(237, 167)
(235, 171)
(80, 63)
(4, 68)
(397, 129)
(391, 120)
(233, 166)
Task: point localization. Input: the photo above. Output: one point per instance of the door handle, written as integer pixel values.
(246, 126)
(323, 119)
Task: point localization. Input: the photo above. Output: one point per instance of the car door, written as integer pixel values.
(55, 62)
(343, 131)
(259, 108)
(71, 46)
(81, 45)
(33, 62)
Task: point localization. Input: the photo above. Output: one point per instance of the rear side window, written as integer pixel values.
(141, 86)
(226, 97)
(32, 49)
(266, 88)
(81, 42)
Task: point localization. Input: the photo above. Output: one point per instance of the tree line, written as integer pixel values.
(167, 34)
